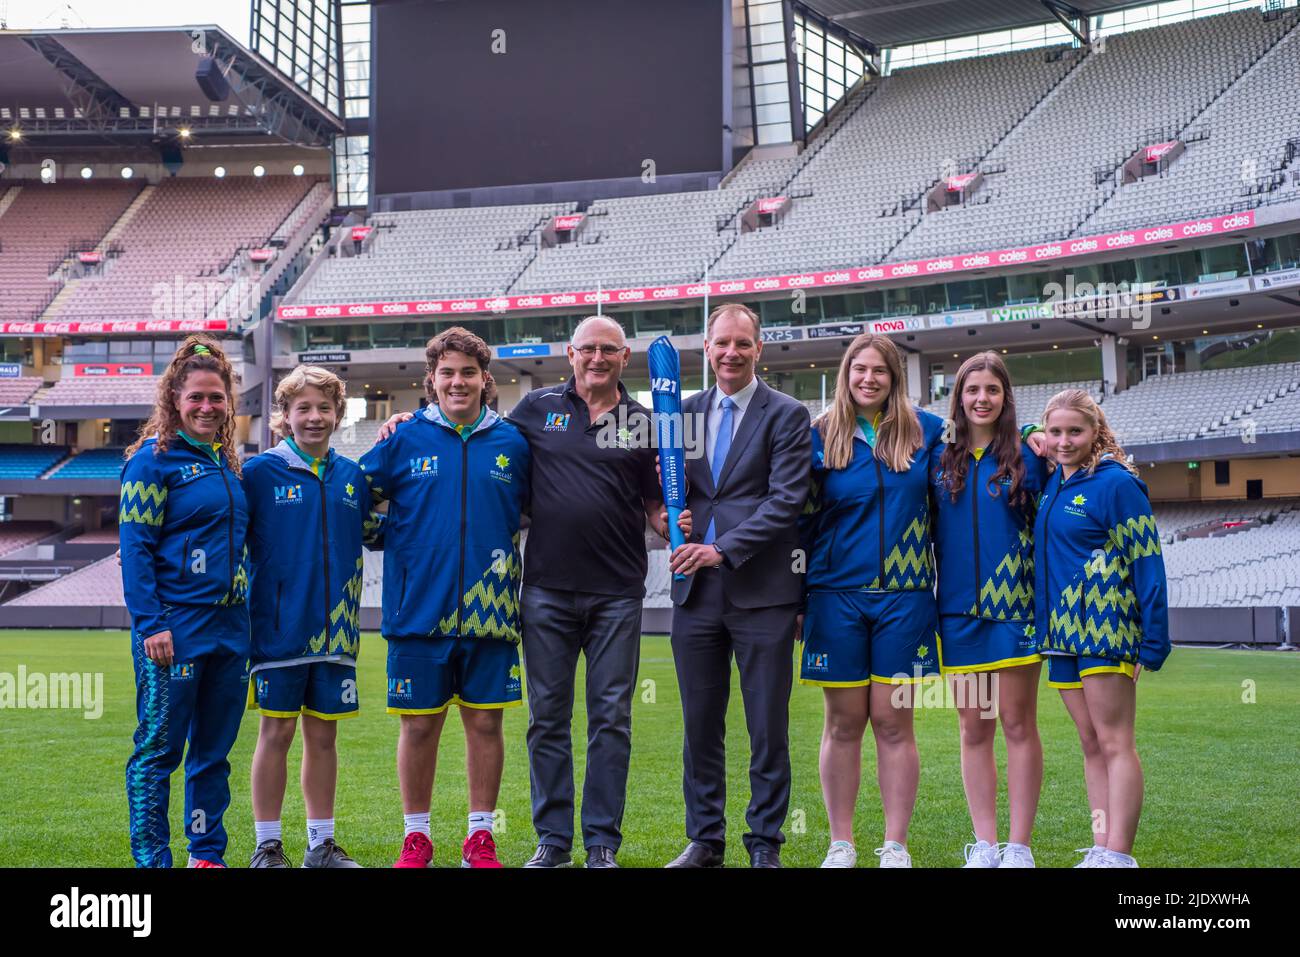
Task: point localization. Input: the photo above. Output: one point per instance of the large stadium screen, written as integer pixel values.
(473, 93)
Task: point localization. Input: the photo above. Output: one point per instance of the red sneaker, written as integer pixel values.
(199, 862)
(417, 851)
(479, 850)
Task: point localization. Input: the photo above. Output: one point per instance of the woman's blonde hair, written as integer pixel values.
(898, 437)
(293, 384)
(1104, 441)
(197, 353)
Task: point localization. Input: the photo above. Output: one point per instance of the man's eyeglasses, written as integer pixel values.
(590, 350)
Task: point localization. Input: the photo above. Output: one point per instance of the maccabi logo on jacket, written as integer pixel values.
(423, 465)
(350, 495)
(502, 470)
(288, 494)
(1076, 504)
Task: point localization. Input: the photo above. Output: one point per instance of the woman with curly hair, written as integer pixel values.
(1102, 608)
(185, 579)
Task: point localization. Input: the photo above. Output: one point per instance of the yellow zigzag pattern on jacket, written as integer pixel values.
(1009, 593)
(491, 606)
(238, 593)
(1136, 537)
(908, 566)
(345, 619)
(138, 495)
(1099, 615)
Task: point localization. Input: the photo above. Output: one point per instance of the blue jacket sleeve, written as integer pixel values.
(375, 464)
(142, 507)
(1135, 533)
(811, 514)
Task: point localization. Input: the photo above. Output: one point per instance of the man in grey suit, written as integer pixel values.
(742, 590)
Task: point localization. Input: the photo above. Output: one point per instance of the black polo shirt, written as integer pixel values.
(588, 502)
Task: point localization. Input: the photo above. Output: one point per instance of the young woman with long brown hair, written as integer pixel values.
(985, 486)
(185, 578)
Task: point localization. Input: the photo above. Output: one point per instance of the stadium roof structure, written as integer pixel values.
(119, 86)
(891, 23)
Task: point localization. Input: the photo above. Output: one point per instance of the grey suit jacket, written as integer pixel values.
(757, 501)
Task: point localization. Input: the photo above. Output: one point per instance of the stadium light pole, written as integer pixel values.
(705, 352)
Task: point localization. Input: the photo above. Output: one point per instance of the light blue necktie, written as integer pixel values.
(720, 449)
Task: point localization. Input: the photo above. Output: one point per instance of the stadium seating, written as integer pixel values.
(1047, 127)
(29, 461)
(1260, 566)
(16, 535)
(188, 231)
(1192, 404)
(90, 390)
(18, 391)
(38, 231)
(98, 584)
(1175, 518)
(356, 438)
(92, 464)
(427, 252)
(1142, 87)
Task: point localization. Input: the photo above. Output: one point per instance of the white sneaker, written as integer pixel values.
(1092, 856)
(893, 854)
(1017, 855)
(981, 854)
(841, 854)
(1109, 858)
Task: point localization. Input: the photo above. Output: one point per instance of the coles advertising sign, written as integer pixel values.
(90, 257)
(566, 223)
(957, 183)
(359, 233)
(1157, 150)
(111, 368)
(771, 204)
(266, 254)
(917, 269)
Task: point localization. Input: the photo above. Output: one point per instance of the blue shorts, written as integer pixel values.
(851, 638)
(981, 644)
(425, 675)
(322, 689)
(1068, 671)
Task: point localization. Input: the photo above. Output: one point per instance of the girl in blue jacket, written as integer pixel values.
(870, 629)
(985, 484)
(1101, 608)
(309, 510)
(185, 580)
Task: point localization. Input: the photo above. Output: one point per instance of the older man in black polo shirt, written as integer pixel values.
(584, 584)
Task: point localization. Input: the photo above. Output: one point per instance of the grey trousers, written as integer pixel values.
(607, 631)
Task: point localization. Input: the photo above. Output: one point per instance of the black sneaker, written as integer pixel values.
(328, 854)
(549, 855)
(269, 854)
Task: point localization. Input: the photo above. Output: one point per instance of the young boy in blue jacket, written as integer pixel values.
(456, 479)
(1101, 608)
(185, 579)
(309, 511)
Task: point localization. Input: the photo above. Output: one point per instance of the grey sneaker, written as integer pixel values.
(328, 854)
(269, 854)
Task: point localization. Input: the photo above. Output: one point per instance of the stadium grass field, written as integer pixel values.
(1221, 772)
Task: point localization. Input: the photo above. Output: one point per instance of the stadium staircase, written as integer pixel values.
(7, 198)
(66, 291)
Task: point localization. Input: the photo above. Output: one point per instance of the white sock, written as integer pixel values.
(417, 823)
(318, 831)
(267, 831)
(480, 821)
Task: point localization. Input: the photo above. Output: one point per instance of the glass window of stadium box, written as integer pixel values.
(1056, 365)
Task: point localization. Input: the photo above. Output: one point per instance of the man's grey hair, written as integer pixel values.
(590, 320)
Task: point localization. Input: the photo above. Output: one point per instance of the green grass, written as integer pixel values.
(1221, 774)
